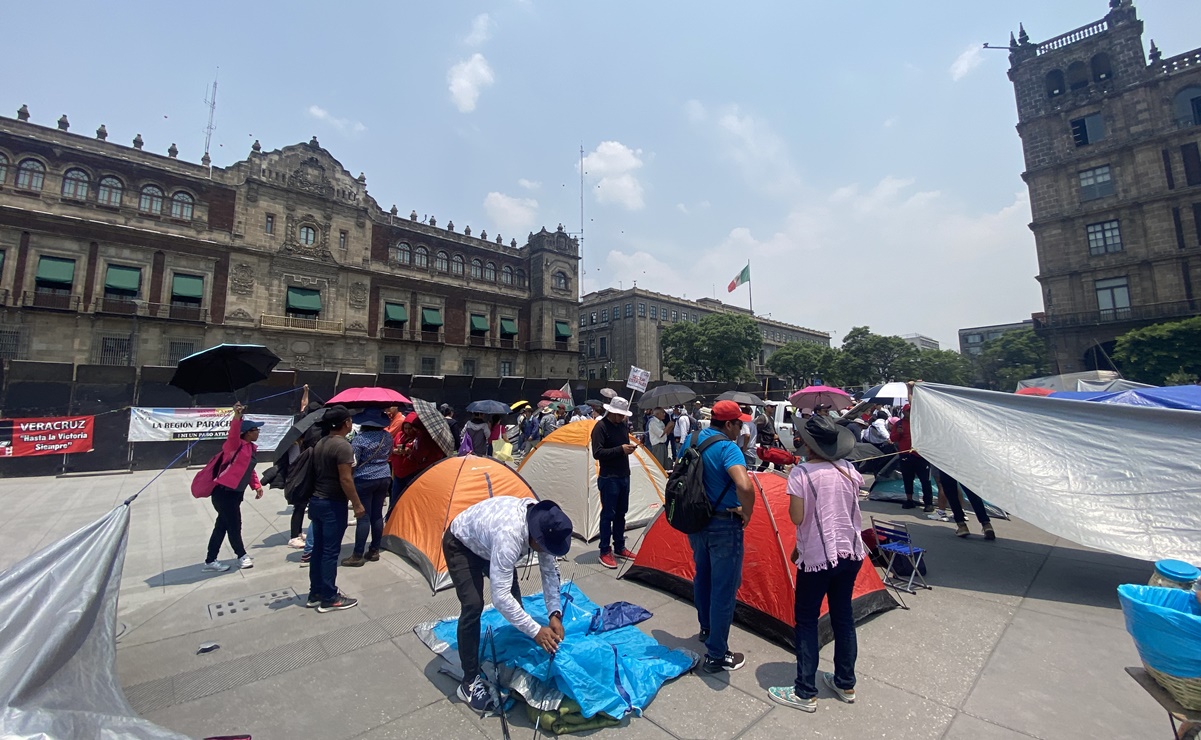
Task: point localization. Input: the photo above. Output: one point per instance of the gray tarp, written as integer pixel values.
(58, 613)
(1124, 479)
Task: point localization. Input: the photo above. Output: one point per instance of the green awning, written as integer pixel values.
(395, 312)
(187, 286)
(562, 330)
(431, 317)
(56, 270)
(508, 328)
(479, 323)
(304, 299)
(119, 277)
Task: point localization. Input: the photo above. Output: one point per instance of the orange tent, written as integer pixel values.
(435, 498)
(765, 600)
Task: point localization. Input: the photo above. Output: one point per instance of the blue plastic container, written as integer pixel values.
(1166, 626)
(1178, 571)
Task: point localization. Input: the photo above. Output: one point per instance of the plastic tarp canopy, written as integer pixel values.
(1109, 386)
(58, 648)
(1069, 381)
(1186, 397)
(1118, 478)
(615, 672)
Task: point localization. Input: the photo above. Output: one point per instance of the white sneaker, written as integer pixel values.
(246, 562)
(939, 515)
(297, 543)
(215, 567)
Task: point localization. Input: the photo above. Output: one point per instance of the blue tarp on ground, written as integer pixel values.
(614, 672)
(1186, 397)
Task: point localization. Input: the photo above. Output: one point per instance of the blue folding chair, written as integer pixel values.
(893, 538)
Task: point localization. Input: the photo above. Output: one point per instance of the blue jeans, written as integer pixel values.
(308, 538)
(329, 525)
(837, 584)
(717, 552)
(615, 502)
(372, 493)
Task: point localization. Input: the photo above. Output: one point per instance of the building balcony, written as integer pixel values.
(479, 340)
(181, 313)
(1149, 312)
(411, 335)
(52, 301)
(118, 306)
(571, 345)
(507, 343)
(322, 326)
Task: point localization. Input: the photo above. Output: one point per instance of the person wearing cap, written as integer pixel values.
(333, 486)
(372, 447)
(611, 446)
(717, 549)
(236, 472)
(490, 538)
(824, 506)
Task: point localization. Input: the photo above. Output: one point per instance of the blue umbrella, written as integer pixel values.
(488, 408)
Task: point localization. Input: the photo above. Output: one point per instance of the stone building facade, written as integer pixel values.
(620, 328)
(1110, 136)
(111, 254)
(972, 339)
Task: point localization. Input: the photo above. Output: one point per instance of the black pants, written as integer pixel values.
(912, 466)
(950, 488)
(467, 571)
(297, 519)
(228, 504)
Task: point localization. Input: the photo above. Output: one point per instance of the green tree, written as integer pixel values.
(718, 347)
(869, 359)
(943, 366)
(800, 362)
(1153, 353)
(1013, 356)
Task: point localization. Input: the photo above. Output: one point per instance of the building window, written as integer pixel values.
(1088, 130)
(1077, 76)
(114, 349)
(974, 339)
(521, 279)
(604, 347)
(55, 276)
(342, 238)
(402, 254)
(1055, 84)
(1095, 183)
(469, 367)
(1192, 163)
(187, 291)
(151, 200)
(1101, 68)
(642, 310)
(1113, 299)
(1104, 237)
(478, 325)
(429, 366)
(1186, 107)
(456, 265)
(442, 261)
(3, 169)
(421, 258)
(109, 192)
(31, 175)
(560, 281)
(616, 312)
(508, 328)
(304, 303)
(431, 320)
(591, 347)
(269, 224)
(592, 318)
(655, 313)
(562, 331)
(177, 349)
(506, 275)
(604, 315)
(490, 272)
(477, 270)
(395, 316)
(583, 319)
(75, 185)
(308, 235)
(629, 310)
(506, 368)
(675, 316)
(592, 373)
(683, 315)
(391, 364)
(181, 206)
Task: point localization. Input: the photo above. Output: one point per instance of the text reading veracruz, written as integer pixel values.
(46, 436)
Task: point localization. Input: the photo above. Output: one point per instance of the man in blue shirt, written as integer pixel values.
(717, 549)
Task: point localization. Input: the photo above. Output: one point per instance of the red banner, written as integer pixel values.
(57, 435)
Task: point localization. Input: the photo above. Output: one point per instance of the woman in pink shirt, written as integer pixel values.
(236, 472)
(828, 555)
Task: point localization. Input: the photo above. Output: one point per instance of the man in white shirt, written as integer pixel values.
(877, 432)
(657, 429)
(489, 539)
(683, 427)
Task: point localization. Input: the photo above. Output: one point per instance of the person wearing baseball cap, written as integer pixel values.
(611, 446)
(490, 538)
(717, 549)
(234, 472)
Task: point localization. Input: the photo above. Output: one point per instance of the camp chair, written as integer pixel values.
(893, 538)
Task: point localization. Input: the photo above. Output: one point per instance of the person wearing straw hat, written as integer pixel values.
(824, 506)
(612, 448)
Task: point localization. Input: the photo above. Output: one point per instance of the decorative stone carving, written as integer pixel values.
(137, 142)
(319, 249)
(433, 221)
(467, 230)
(102, 133)
(301, 347)
(413, 215)
(63, 123)
(172, 151)
(394, 211)
(450, 225)
(513, 243)
(358, 295)
(256, 147)
(23, 113)
(357, 326)
(499, 240)
(239, 314)
(206, 160)
(310, 177)
(241, 279)
(483, 234)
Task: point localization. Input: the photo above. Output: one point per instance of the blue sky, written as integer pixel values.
(865, 162)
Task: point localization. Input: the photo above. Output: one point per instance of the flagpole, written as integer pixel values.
(750, 293)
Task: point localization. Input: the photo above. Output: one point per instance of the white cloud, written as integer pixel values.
(511, 215)
(682, 208)
(467, 79)
(750, 143)
(890, 121)
(967, 61)
(611, 167)
(481, 30)
(529, 184)
(342, 125)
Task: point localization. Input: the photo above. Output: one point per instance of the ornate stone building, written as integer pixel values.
(1110, 136)
(111, 254)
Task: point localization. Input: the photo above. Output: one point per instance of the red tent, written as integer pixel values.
(766, 596)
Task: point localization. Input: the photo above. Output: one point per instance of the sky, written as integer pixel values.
(864, 162)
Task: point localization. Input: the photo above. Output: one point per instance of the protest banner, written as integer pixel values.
(638, 379)
(189, 424)
(58, 435)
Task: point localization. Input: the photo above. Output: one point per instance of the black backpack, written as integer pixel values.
(687, 505)
(298, 488)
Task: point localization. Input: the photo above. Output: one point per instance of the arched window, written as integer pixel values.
(421, 258)
(477, 269)
(442, 262)
(31, 174)
(181, 206)
(559, 281)
(1055, 84)
(521, 280)
(402, 254)
(456, 265)
(3, 168)
(151, 200)
(1077, 76)
(308, 236)
(490, 272)
(109, 193)
(75, 185)
(506, 275)
(1186, 107)
(1102, 69)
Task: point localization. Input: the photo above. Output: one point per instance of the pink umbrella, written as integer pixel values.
(557, 395)
(375, 396)
(817, 395)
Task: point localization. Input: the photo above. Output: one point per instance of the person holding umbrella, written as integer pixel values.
(372, 479)
(236, 472)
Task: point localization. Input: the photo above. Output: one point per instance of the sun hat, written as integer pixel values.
(549, 527)
(618, 405)
(372, 418)
(728, 411)
(248, 425)
(827, 439)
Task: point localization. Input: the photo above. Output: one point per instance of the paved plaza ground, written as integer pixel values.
(1019, 638)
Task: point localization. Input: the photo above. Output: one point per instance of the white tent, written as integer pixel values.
(1124, 479)
(561, 468)
(1070, 381)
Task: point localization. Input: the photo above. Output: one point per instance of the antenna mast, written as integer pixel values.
(211, 101)
(581, 241)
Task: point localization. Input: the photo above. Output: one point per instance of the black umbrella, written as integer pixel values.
(224, 369)
(296, 432)
(488, 408)
(666, 396)
(741, 398)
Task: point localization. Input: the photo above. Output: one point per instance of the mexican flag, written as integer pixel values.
(743, 277)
